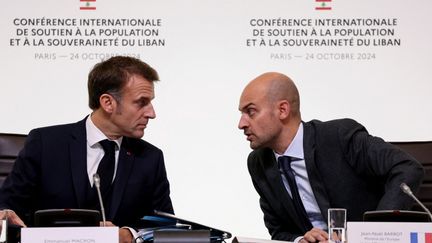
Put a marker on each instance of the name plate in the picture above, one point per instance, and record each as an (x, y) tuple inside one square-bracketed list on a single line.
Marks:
[(70, 235), (389, 232)]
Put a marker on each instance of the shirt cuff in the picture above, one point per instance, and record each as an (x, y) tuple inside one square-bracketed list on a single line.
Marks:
[(297, 240)]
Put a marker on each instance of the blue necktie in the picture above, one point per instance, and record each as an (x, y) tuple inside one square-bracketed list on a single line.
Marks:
[(285, 164), (106, 166)]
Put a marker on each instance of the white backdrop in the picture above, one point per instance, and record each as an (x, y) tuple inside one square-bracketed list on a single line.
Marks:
[(205, 57)]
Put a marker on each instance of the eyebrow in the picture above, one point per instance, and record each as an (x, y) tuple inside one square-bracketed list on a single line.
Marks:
[(142, 98), (246, 106)]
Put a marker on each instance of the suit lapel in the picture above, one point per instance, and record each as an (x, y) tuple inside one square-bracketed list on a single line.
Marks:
[(78, 158), (275, 180), (124, 168), (315, 178)]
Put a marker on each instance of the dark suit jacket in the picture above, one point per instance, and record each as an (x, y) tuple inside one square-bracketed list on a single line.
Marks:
[(51, 172), (347, 168)]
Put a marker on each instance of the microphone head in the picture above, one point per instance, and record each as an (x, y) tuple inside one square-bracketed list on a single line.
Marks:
[(96, 180), (405, 188)]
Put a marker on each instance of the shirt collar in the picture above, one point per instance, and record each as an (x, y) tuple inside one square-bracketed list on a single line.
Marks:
[(95, 135), (295, 149)]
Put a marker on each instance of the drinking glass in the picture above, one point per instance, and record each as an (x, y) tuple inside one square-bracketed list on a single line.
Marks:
[(337, 225), (3, 225)]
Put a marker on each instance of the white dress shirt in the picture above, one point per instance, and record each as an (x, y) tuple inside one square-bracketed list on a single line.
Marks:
[(95, 151)]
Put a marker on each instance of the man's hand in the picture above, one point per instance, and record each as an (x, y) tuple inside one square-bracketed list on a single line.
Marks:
[(125, 236), (315, 235), (107, 224), (12, 217)]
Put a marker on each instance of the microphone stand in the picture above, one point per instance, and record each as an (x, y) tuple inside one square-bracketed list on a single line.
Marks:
[(407, 190), (96, 181)]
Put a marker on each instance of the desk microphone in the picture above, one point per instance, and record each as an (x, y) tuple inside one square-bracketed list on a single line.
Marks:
[(407, 190), (96, 182)]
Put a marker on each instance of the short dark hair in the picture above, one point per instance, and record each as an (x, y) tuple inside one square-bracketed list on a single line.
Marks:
[(111, 75)]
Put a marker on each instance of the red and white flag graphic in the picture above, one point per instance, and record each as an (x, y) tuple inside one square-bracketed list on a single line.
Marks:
[(87, 4), (323, 5)]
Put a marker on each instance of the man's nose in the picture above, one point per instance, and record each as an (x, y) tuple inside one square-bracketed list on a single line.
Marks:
[(242, 123), (150, 112)]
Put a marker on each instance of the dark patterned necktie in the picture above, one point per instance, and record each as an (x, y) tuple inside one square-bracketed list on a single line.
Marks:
[(285, 164), (106, 165)]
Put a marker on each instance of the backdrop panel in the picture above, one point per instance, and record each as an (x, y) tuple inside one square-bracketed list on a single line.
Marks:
[(368, 60)]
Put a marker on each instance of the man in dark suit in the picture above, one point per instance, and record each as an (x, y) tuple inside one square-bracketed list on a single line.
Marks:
[(55, 168), (301, 169)]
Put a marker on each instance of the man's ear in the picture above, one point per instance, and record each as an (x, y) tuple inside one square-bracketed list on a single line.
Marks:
[(107, 103), (284, 109)]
